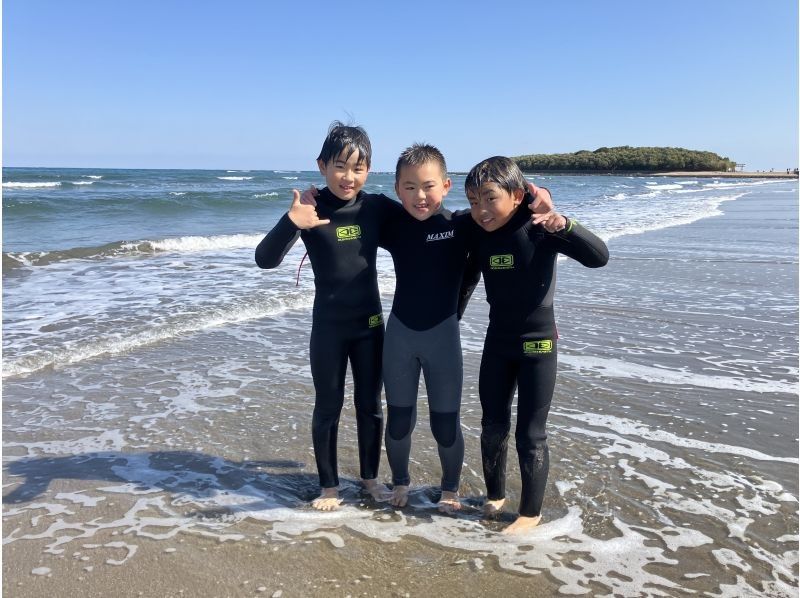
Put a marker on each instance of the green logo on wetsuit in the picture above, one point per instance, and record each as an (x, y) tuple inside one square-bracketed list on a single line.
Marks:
[(348, 233), (533, 347), (501, 262), (375, 320)]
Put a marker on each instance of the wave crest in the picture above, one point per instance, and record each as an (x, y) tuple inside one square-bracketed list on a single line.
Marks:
[(12, 260)]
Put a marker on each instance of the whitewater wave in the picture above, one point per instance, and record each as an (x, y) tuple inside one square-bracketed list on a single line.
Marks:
[(120, 249), (22, 185), (218, 315), (234, 178), (664, 187)]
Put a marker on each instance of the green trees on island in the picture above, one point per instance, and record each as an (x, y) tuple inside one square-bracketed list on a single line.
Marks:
[(627, 159)]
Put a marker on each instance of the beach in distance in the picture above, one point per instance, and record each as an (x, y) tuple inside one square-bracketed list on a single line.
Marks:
[(157, 400)]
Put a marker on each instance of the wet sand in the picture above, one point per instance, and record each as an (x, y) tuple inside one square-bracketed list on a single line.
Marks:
[(341, 564), (655, 488)]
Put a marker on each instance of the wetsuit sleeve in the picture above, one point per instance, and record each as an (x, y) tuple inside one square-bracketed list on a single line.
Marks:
[(580, 244), (472, 275), (272, 249), (390, 211)]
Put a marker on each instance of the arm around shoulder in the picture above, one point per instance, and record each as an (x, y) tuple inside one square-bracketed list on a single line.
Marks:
[(472, 275)]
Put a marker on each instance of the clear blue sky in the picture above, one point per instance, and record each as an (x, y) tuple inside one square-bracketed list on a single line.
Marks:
[(254, 84)]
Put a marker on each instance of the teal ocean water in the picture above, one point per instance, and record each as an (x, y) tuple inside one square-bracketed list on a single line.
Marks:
[(146, 358)]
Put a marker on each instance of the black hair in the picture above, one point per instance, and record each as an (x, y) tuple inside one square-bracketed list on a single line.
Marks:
[(497, 169), (345, 139), (418, 154)]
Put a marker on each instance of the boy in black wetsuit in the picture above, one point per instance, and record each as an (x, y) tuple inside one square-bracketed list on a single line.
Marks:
[(429, 246), (341, 237), (517, 258)]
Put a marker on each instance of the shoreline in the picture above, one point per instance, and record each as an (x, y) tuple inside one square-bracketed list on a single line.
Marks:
[(729, 175), (174, 520)]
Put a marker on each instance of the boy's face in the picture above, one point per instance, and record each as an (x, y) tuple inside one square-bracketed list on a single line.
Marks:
[(344, 176), (492, 206), (422, 188)]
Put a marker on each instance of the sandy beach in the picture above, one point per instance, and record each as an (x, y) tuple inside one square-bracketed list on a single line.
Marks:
[(183, 467)]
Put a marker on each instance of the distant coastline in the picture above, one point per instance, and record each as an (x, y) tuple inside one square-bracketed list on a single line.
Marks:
[(684, 173), (626, 160), (732, 175)]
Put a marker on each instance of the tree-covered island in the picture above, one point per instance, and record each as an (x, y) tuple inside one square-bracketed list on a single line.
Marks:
[(627, 159)]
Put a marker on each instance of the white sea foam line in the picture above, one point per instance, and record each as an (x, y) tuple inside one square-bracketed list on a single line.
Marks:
[(631, 427), (110, 440), (80, 498), (664, 187), (234, 178), (82, 351), (714, 481), (679, 501), (192, 244), (14, 185), (553, 541), (136, 521), (669, 222), (616, 368), (626, 554), (471, 536)]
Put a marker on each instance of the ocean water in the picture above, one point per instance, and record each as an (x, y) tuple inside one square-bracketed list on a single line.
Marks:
[(149, 361)]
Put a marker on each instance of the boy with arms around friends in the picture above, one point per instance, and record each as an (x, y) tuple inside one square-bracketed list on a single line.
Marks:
[(517, 258), (434, 280), (341, 237)]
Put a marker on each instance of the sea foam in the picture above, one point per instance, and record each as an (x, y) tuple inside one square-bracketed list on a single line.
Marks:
[(616, 368), (15, 185)]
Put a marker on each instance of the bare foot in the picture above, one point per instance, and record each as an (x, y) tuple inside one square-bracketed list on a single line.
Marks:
[(399, 496), (522, 525), (449, 502), (492, 508), (328, 500), (377, 490)]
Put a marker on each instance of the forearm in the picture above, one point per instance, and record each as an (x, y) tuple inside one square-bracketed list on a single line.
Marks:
[(472, 275), (582, 245), (273, 247)]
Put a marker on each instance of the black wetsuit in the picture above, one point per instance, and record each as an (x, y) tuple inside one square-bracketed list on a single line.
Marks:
[(429, 263), (518, 262), (347, 321), (431, 293)]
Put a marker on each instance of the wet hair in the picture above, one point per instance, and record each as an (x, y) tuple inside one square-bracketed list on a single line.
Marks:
[(417, 155), (345, 139), (499, 170)]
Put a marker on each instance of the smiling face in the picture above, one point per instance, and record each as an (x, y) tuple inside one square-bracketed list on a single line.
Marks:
[(421, 189), (492, 206), (345, 176)]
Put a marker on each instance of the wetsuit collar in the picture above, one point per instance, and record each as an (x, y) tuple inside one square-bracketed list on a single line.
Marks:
[(326, 194)]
